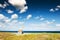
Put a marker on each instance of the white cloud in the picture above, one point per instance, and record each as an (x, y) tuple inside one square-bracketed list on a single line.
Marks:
[(14, 25), (58, 6), (40, 27), (7, 20), (3, 20), (9, 25), (58, 25), (19, 4), (3, 6), (14, 16), (39, 18), (50, 22), (42, 18), (56, 9), (21, 23), (2, 16), (0, 5), (9, 11), (23, 9), (29, 16), (52, 10), (43, 26)]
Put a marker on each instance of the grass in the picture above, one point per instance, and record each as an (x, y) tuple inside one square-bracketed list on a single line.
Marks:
[(40, 36)]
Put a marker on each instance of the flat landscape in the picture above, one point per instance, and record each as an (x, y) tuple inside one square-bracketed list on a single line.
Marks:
[(36, 36)]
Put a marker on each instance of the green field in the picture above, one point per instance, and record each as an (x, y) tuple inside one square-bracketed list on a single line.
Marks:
[(40, 36)]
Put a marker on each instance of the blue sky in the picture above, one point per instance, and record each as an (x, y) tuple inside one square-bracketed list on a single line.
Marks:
[(30, 15)]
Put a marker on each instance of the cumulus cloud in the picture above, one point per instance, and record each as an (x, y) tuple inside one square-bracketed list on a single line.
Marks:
[(58, 6), (23, 9), (13, 25), (14, 16), (0, 5), (10, 24), (2, 16), (52, 10), (3, 6), (19, 4), (29, 16), (7, 20), (39, 18), (55, 9), (9, 11)]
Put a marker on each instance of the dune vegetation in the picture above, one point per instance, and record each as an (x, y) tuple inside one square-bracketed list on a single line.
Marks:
[(40, 36)]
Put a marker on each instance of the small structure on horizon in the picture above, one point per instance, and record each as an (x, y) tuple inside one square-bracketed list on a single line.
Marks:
[(20, 31)]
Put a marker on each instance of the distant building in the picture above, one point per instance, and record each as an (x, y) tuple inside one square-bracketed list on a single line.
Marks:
[(20, 31)]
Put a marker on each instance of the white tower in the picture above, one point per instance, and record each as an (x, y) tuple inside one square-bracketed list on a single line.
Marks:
[(20, 31)]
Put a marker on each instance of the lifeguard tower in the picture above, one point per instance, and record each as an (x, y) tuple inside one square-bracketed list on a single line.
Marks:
[(20, 31)]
